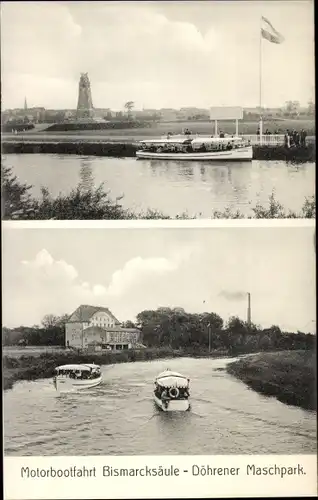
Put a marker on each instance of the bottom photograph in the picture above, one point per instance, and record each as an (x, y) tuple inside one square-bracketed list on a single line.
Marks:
[(159, 341)]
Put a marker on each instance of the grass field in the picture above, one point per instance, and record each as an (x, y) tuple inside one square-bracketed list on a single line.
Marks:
[(196, 127), (290, 376)]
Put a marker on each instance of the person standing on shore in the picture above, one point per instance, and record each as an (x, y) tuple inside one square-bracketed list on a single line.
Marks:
[(287, 139), (303, 135)]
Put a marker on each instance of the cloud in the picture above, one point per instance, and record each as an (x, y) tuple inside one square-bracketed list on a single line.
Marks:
[(197, 270), (153, 54), (46, 265), (47, 285)]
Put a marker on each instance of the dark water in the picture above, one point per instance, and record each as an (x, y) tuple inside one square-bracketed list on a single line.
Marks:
[(171, 187), (120, 418)]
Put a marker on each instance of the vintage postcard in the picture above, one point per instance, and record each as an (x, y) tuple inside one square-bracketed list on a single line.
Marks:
[(158, 228)]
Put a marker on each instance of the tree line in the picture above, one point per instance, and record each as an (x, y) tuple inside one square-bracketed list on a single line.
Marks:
[(174, 328)]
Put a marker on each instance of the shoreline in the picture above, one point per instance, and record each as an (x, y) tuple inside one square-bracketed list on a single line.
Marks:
[(31, 367), (289, 376), (126, 148)]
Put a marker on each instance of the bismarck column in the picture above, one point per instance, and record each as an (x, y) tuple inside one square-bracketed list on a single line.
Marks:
[(85, 103)]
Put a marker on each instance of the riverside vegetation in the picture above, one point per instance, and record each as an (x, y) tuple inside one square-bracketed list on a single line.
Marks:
[(97, 204), (289, 376), (168, 333)]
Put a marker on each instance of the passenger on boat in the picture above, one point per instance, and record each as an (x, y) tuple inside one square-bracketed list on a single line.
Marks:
[(202, 148), (221, 135), (165, 397)]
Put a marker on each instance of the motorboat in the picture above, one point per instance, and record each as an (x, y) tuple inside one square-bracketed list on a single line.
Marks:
[(171, 391), (196, 148), (74, 377)]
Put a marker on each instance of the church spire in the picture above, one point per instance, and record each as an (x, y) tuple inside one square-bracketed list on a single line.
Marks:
[(25, 103)]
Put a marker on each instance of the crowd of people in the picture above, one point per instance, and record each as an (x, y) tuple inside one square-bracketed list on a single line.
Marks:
[(292, 138)]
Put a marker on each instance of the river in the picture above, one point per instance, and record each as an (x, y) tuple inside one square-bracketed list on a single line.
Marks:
[(197, 188), (119, 417)]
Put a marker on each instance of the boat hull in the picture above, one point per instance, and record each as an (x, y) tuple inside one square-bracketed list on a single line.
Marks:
[(173, 404), (69, 385), (240, 154)]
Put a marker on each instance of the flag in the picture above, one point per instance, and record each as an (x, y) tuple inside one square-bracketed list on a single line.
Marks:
[(269, 33)]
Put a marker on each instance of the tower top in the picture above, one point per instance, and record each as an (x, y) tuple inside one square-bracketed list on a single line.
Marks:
[(25, 103)]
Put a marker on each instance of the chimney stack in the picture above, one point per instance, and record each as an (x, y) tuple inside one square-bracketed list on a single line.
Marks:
[(249, 309)]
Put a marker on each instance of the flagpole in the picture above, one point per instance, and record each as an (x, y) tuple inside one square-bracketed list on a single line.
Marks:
[(260, 85)]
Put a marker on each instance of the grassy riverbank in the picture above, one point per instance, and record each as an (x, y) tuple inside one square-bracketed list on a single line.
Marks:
[(155, 129), (42, 366), (290, 376), (86, 146)]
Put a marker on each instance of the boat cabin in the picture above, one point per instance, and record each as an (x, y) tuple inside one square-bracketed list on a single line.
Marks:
[(184, 144), (78, 372), (171, 385)]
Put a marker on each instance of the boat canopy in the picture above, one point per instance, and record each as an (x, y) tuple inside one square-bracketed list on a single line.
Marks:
[(172, 379), (211, 140), (170, 140), (83, 368)]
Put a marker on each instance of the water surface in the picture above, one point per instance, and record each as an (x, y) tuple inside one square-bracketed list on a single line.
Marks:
[(171, 187), (119, 417)]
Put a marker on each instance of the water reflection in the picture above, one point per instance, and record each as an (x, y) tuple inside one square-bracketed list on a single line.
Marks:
[(169, 186), (87, 181)]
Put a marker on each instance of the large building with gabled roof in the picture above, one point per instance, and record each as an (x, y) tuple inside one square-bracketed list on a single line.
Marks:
[(97, 326)]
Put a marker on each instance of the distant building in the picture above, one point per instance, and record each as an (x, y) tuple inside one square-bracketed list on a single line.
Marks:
[(92, 325), (168, 114)]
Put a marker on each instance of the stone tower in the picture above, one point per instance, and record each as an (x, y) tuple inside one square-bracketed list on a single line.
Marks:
[(85, 103)]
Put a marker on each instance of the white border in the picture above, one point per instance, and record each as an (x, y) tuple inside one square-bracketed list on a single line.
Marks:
[(185, 485), (160, 224)]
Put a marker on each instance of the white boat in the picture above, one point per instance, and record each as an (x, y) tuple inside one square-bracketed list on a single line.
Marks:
[(74, 377), (171, 391), (196, 148)]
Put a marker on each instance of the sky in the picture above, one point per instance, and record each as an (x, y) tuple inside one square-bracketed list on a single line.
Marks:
[(157, 54), (53, 271)]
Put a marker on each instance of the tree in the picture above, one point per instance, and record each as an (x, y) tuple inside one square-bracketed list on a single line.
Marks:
[(292, 108), (129, 105), (128, 324), (51, 321), (311, 108), (16, 198)]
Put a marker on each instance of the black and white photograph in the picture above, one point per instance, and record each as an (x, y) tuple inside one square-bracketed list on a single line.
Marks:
[(159, 342), (158, 110), (158, 164)]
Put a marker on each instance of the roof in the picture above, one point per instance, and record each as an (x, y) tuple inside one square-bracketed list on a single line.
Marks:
[(121, 329), (110, 329), (94, 329), (172, 379), (84, 313), (207, 140), (84, 367), (170, 140)]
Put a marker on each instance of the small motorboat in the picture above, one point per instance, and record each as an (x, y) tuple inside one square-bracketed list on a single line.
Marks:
[(73, 377), (171, 391)]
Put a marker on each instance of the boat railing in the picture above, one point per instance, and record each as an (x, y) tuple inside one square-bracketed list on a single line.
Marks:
[(266, 140)]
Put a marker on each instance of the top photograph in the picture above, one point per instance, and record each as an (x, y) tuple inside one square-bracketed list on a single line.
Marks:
[(158, 110)]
